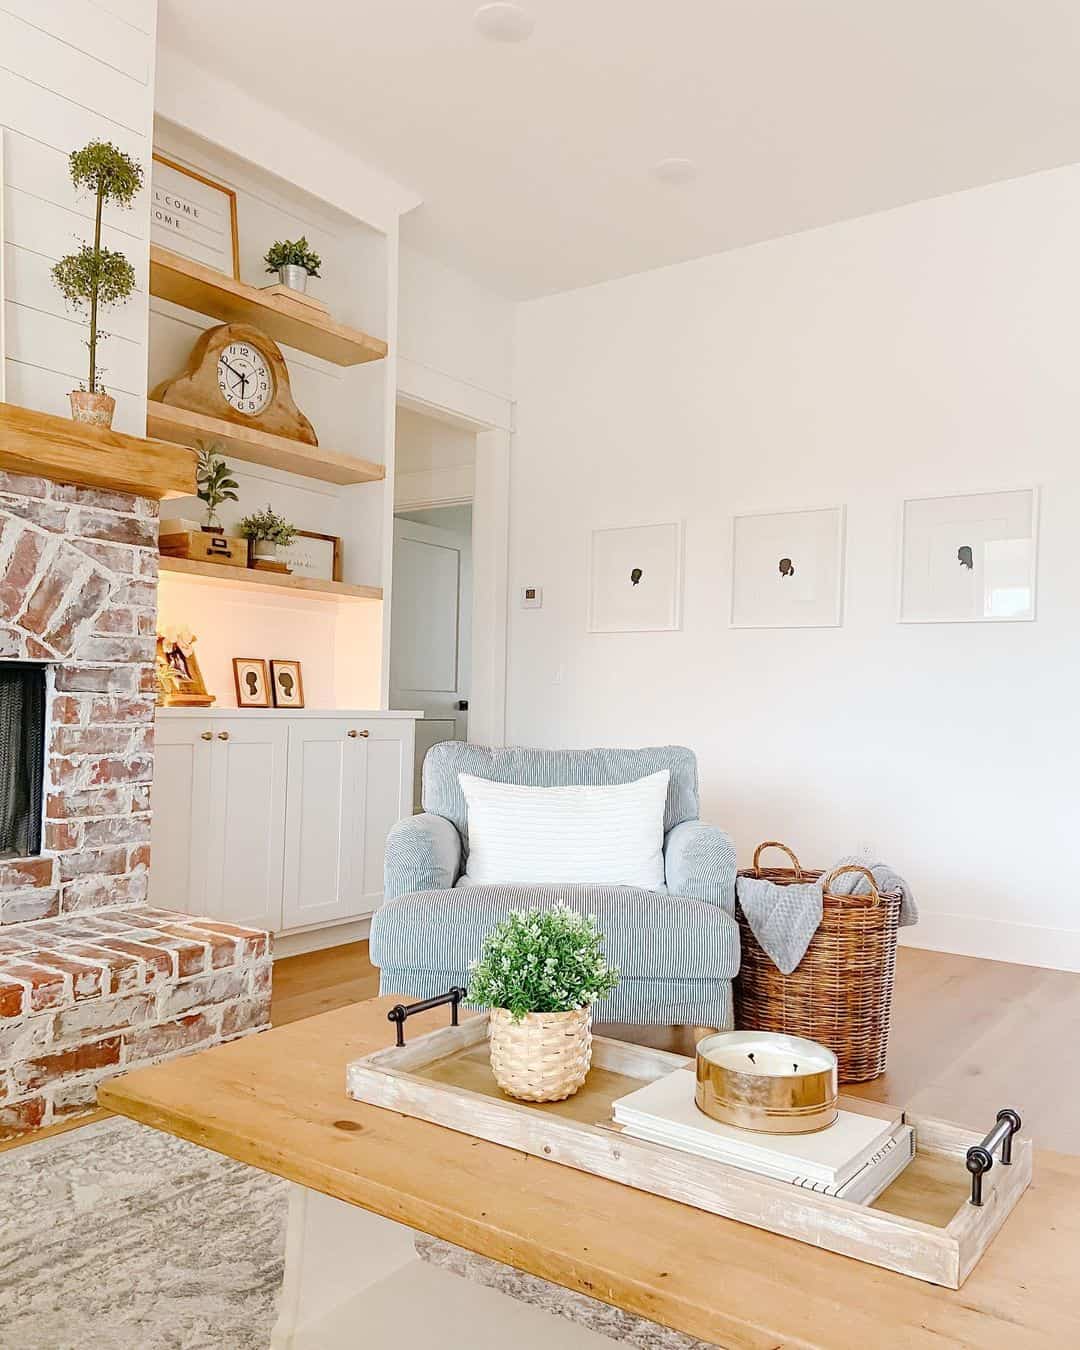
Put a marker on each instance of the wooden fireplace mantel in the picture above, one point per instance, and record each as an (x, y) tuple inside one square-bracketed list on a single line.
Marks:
[(69, 452)]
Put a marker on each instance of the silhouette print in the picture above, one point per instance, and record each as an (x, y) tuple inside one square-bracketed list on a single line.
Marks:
[(252, 682), (787, 567), (965, 557), (635, 576), (286, 681)]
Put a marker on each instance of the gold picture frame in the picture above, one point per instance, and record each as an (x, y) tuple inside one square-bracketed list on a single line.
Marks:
[(194, 226)]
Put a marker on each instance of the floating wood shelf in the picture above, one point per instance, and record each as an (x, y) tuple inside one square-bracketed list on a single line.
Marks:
[(39, 443), (207, 291), (260, 447), (274, 581)]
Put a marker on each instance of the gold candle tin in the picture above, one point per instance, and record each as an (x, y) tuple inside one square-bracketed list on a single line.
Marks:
[(761, 1080)]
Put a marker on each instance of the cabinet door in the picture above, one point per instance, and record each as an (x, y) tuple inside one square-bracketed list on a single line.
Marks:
[(247, 825), (180, 800), (387, 787)]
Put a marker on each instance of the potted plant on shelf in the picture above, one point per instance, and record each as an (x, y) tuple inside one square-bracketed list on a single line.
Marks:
[(215, 484), (294, 262), (540, 972), (96, 276), (268, 533)]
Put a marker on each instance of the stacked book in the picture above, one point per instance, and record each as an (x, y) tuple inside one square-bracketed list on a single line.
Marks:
[(855, 1158)]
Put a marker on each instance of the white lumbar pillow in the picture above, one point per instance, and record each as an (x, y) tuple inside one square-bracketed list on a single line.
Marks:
[(613, 835)]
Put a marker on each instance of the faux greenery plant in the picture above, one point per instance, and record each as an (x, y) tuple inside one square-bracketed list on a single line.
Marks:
[(267, 524), (542, 961), (97, 276), (293, 253), (215, 481)]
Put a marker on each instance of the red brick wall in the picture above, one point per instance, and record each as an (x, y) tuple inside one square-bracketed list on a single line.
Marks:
[(78, 589)]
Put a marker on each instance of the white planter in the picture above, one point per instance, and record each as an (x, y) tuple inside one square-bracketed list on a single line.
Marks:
[(265, 548), (543, 1058)]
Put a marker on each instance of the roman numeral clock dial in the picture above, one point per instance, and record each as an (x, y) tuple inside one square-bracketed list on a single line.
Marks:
[(244, 378)]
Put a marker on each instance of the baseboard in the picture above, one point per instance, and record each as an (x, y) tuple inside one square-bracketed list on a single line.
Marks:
[(319, 939), (996, 940)]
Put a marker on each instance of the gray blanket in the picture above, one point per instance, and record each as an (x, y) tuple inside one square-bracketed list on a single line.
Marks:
[(785, 918)]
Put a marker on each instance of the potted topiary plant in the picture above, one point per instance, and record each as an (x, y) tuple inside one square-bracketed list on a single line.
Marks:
[(294, 262), (540, 973), (96, 276), (268, 532), (215, 484)]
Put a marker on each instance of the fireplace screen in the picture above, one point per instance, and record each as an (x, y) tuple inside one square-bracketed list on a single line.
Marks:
[(22, 758)]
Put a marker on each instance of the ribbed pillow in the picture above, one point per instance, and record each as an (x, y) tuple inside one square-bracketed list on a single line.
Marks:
[(613, 835)]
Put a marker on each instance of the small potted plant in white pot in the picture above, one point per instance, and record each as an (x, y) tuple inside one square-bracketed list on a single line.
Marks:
[(540, 973), (215, 484), (268, 533), (294, 261), (97, 276)]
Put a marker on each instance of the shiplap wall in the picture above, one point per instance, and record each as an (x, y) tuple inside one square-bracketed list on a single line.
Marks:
[(70, 71)]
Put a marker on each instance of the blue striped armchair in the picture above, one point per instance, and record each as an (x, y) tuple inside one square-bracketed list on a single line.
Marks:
[(677, 948)]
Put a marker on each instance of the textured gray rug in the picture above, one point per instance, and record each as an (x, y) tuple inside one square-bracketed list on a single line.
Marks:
[(125, 1238)]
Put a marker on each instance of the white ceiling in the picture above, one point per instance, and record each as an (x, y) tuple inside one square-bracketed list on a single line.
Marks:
[(533, 159)]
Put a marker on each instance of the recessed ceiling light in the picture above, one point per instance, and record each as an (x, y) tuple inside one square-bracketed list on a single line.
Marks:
[(675, 170), (504, 22)]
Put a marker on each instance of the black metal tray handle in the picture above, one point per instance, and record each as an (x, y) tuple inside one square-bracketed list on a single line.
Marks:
[(980, 1157), (400, 1011)]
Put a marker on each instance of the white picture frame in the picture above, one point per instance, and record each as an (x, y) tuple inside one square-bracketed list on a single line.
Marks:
[(651, 600), (787, 568), (969, 557)]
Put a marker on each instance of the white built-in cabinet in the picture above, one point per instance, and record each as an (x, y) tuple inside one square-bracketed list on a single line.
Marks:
[(277, 820)]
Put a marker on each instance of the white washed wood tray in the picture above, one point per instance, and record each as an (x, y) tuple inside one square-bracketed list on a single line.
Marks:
[(923, 1225)]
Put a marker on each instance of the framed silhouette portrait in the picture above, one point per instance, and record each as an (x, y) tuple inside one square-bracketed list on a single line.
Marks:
[(635, 579), (287, 684), (252, 682), (788, 569)]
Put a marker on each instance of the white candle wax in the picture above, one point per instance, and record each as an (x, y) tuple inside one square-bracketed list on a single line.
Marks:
[(774, 1057)]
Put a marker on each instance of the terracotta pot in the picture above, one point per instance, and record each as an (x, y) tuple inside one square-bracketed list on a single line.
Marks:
[(94, 409), (543, 1058)]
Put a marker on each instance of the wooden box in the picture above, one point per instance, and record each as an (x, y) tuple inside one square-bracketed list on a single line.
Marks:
[(923, 1225), (201, 546)]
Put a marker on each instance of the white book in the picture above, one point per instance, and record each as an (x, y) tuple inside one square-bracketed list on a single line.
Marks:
[(664, 1112)]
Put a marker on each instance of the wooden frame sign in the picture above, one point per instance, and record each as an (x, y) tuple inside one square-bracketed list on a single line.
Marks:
[(194, 216)]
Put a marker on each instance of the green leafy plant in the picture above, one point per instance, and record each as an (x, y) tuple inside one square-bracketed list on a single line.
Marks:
[(96, 276), (215, 481), (293, 253), (267, 524), (542, 961)]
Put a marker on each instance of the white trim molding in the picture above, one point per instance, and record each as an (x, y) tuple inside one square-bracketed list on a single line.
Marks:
[(996, 940)]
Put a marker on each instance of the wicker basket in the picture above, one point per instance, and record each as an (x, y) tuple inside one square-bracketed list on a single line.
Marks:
[(840, 994), (543, 1058)]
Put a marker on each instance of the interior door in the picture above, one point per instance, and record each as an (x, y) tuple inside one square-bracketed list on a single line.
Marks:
[(180, 800), (430, 632), (244, 866)]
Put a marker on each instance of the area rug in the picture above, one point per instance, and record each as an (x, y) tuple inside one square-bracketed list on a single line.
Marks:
[(123, 1237)]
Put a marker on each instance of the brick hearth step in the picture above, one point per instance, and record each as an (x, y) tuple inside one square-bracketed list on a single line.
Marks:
[(90, 995)]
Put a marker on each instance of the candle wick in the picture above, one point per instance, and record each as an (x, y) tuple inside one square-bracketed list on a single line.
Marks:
[(795, 1067), (750, 1057)]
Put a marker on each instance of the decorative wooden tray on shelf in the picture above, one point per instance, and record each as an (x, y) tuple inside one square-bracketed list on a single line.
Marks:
[(925, 1224)]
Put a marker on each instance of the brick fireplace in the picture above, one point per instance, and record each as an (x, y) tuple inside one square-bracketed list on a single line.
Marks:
[(93, 980)]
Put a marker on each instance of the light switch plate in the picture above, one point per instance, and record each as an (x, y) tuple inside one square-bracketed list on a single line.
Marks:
[(532, 597)]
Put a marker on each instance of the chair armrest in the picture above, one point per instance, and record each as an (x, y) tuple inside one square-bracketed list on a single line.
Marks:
[(423, 853), (699, 863)]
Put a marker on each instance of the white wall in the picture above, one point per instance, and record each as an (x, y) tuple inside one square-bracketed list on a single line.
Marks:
[(434, 461), (70, 71), (926, 350)]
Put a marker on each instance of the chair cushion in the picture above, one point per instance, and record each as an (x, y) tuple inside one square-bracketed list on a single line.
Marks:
[(442, 793), (647, 935)]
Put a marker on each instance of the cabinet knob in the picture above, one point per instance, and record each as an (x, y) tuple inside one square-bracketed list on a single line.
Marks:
[(223, 735), (208, 735), (354, 734)]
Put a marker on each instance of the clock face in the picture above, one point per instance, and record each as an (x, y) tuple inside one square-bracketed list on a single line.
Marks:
[(244, 378)]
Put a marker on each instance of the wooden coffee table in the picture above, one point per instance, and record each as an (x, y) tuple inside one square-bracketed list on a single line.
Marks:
[(365, 1178)]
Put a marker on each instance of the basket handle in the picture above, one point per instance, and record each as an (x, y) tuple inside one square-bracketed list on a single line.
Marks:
[(852, 867), (775, 843)]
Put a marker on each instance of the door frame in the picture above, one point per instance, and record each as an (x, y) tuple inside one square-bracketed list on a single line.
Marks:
[(460, 405)]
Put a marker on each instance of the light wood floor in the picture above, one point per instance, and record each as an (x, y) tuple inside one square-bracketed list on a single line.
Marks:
[(969, 1036)]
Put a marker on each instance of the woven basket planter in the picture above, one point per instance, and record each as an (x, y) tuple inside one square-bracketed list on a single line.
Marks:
[(543, 1058), (840, 993)]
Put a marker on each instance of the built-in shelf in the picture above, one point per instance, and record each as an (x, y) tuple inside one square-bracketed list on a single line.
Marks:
[(259, 447), (210, 292), (274, 581), (33, 442)]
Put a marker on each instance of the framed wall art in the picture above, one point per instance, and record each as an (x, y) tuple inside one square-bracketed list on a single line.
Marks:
[(287, 684), (252, 681), (194, 216), (969, 558), (788, 569), (314, 555), (635, 578)]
